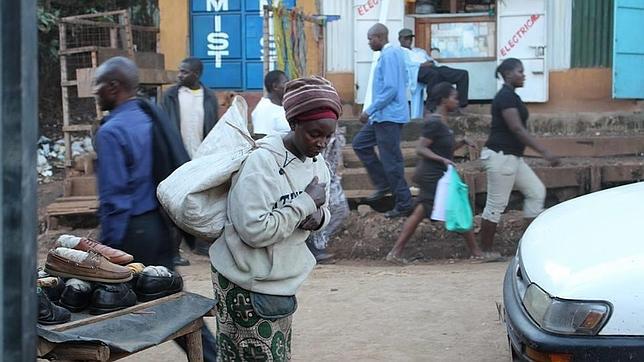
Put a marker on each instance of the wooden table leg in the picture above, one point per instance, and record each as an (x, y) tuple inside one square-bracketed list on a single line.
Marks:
[(194, 347)]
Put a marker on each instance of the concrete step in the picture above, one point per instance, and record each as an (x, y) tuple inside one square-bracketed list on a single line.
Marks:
[(575, 176), (542, 124), (601, 146)]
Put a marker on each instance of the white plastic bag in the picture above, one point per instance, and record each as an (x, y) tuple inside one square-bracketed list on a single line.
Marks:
[(440, 197), (194, 195)]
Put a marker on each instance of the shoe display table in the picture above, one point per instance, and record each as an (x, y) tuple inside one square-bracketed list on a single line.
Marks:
[(115, 335)]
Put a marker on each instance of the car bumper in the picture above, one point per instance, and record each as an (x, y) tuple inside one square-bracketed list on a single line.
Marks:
[(528, 340)]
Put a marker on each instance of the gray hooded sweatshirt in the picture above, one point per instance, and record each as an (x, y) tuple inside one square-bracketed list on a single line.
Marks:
[(262, 249)]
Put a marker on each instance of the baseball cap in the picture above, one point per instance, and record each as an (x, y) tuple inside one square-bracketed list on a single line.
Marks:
[(403, 33)]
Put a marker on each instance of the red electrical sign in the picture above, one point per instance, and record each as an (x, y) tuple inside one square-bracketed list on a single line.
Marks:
[(366, 7), (519, 34)]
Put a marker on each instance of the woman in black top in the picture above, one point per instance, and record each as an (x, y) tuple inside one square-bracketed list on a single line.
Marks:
[(503, 156), (436, 150)]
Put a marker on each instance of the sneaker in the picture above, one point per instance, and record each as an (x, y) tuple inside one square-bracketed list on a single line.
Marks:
[(392, 214), (377, 196), (492, 257)]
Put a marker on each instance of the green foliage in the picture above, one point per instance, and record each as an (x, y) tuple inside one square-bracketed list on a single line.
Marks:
[(49, 12)]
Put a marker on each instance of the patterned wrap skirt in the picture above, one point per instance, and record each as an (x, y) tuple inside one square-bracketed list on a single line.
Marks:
[(242, 335)]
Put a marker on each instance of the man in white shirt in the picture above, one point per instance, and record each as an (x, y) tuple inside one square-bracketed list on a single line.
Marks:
[(269, 117), (424, 71), (193, 107)]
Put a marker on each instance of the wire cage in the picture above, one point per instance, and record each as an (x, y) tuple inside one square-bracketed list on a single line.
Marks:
[(85, 42)]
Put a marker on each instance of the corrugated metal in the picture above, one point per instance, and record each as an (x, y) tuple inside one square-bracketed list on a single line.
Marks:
[(339, 36), (592, 33), (559, 14)]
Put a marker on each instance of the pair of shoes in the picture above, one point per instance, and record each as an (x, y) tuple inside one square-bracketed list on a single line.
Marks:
[(392, 214), (399, 260), (70, 263), (77, 295), (48, 312), (154, 284), (377, 196), (115, 256), (179, 261), (111, 297)]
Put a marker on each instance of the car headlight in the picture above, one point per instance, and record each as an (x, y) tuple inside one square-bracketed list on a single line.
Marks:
[(565, 316)]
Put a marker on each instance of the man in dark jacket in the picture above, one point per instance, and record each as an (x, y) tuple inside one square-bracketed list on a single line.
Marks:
[(191, 105), (193, 108)]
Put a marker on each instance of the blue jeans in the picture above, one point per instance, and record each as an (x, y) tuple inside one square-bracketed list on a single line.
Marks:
[(388, 170)]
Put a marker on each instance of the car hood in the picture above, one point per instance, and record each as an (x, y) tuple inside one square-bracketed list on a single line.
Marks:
[(592, 248)]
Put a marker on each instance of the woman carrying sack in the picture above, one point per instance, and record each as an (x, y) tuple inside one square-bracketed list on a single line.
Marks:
[(276, 199), (436, 150)]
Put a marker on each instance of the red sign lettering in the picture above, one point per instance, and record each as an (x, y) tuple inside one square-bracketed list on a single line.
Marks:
[(364, 8), (518, 35)]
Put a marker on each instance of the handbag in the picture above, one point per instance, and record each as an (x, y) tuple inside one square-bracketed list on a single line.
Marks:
[(458, 212), (273, 307)]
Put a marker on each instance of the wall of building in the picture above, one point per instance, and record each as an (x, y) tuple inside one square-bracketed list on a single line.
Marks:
[(174, 31), (582, 90)]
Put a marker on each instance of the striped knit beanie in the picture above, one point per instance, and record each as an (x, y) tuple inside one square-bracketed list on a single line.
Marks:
[(311, 98)]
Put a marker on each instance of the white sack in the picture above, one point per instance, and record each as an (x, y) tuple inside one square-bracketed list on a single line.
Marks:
[(440, 197), (194, 195)]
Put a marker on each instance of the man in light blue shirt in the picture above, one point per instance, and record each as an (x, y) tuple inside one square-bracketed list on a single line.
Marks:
[(384, 120)]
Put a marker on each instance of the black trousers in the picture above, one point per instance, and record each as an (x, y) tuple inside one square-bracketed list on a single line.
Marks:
[(434, 75), (149, 241)]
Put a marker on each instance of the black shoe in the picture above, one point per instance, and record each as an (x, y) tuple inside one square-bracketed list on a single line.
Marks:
[(179, 261), (392, 214), (150, 287), (201, 248), (76, 295), (54, 292), (324, 258), (48, 312), (111, 297), (377, 196)]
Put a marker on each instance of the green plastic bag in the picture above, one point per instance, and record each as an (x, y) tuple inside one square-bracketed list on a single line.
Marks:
[(458, 212)]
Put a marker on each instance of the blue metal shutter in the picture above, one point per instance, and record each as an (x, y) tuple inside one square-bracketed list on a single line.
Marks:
[(227, 36), (628, 49)]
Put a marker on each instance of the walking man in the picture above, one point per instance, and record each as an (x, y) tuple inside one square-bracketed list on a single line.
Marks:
[(383, 121), (193, 108), (129, 212)]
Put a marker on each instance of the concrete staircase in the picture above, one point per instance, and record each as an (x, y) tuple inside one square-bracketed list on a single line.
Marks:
[(597, 151)]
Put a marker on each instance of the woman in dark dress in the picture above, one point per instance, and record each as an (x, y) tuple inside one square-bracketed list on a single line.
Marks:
[(436, 150)]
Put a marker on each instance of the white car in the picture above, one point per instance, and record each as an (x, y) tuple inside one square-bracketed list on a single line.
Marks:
[(575, 290)]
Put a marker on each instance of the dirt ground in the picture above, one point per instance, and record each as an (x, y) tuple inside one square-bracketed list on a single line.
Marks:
[(371, 311), (362, 309)]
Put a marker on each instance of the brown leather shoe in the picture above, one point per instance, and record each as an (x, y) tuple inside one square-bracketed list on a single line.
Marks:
[(94, 267), (113, 255)]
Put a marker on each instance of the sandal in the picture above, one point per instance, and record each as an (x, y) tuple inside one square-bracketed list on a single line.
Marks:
[(492, 257), (396, 259)]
